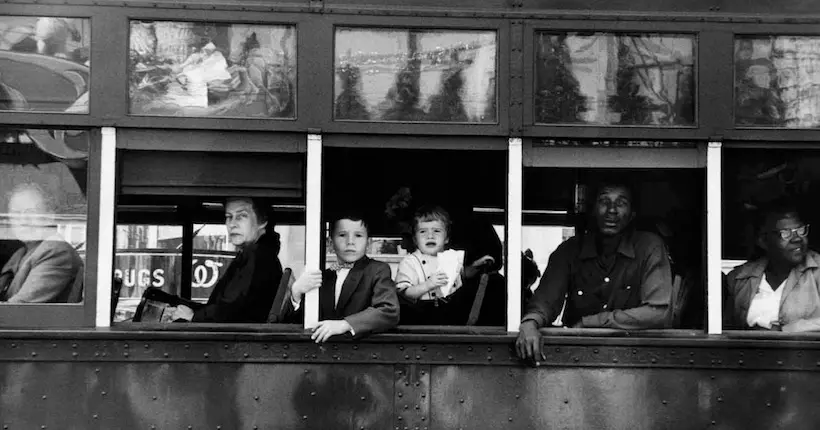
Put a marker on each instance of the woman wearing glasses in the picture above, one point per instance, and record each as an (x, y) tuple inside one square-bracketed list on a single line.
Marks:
[(781, 289)]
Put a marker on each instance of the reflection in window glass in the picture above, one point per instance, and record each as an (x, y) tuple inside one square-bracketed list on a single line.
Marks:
[(44, 64), (212, 69), (415, 75), (776, 81), (42, 215), (146, 256), (614, 79)]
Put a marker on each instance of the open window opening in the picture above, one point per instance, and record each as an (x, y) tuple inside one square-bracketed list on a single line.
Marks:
[(562, 202), (175, 237), (769, 264), (463, 192)]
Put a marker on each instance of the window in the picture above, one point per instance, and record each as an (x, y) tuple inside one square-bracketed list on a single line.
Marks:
[(146, 256), (768, 239), (615, 79), (413, 75), (43, 196), (664, 220), (207, 69), (173, 204), (45, 63), (388, 186), (776, 82)]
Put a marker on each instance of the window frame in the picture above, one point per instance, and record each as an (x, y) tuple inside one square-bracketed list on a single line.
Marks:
[(767, 133), (504, 59), (703, 56), (72, 315), (705, 155)]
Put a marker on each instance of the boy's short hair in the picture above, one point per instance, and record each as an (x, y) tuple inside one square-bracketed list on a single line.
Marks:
[(427, 213), (351, 214)]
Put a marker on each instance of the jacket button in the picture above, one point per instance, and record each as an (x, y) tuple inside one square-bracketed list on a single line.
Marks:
[(580, 293), (604, 306), (606, 279), (628, 287)]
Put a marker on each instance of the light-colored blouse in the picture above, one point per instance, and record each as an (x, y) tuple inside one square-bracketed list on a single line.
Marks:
[(765, 306)]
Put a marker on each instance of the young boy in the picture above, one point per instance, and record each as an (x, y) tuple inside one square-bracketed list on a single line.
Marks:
[(428, 293), (357, 294)]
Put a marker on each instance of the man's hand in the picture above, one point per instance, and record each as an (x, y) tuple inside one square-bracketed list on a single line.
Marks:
[(528, 344), (310, 280), (182, 312), (328, 328)]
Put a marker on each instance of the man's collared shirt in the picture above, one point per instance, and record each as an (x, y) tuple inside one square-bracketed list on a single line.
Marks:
[(631, 290)]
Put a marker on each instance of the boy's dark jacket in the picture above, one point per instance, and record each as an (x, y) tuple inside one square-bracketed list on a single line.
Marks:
[(367, 301), (245, 293)]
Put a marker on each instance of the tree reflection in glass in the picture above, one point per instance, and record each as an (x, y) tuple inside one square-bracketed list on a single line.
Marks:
[(415, 75), (614, 79)]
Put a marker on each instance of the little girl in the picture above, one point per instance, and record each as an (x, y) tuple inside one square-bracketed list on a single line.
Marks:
[(428, 279)]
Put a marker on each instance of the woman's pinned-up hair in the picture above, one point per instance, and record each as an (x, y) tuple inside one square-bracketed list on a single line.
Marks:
[(262, 208)]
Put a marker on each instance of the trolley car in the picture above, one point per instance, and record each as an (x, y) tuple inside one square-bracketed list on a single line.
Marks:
[(140, 117)]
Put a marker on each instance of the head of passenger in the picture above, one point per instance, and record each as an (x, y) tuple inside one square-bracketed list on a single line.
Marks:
[(613, 208), (349, 236), (431, 229), (246, 219), (783, 236), (31, 212)]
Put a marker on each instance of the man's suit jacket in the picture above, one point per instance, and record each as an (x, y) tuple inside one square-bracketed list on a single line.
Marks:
[(51, 272), (367, 301)]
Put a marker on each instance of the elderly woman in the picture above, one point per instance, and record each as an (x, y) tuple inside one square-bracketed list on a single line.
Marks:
[(781, 289), (245, 293)]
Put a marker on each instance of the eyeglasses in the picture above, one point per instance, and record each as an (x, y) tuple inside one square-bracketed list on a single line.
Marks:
[(788, 233)]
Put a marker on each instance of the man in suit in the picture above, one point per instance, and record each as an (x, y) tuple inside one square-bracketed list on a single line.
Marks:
[(46, 269), (357, 295)]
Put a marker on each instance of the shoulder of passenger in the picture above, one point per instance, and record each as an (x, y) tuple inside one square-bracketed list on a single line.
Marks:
[(377, 265), (57, 249), (569, 246), (647, 240)]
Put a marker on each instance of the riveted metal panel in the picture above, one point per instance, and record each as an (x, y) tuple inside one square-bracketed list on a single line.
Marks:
[(412, 396), (194, 395), (466, 397), (485, 351)]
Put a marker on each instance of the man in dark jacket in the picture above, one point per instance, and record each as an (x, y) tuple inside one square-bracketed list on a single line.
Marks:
[(245, 293)]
